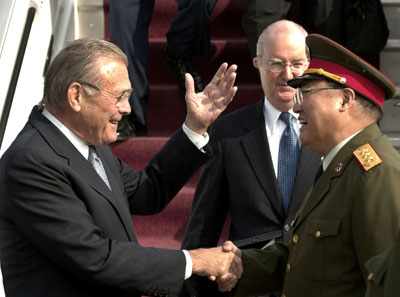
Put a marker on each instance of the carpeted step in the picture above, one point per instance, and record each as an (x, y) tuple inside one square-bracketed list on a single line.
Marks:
[(166, 108), (167, 228), (225, 19), (230, 51)]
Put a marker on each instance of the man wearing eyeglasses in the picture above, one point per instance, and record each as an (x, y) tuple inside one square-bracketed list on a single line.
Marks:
[(245, 178), (352, 212), (66, 201)]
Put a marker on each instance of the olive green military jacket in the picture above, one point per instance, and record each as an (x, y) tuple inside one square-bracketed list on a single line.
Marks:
[(351, 214), (384, 273)]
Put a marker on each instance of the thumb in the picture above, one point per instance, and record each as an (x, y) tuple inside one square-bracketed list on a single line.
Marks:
[(189, 83)]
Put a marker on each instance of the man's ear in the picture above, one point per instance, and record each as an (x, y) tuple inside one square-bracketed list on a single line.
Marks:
[(256, 62), (348, 99), (74, 94)]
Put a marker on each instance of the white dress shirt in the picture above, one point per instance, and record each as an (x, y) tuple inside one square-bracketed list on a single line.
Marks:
[(275, 128), (198, 140)]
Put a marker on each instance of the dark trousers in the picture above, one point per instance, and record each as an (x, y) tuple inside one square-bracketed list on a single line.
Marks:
[(188, 35), (260, 14)]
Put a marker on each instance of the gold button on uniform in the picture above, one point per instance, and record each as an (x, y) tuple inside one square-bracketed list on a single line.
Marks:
[(288, 267), (318, 234), (283, 295), (295, 239), (370, 276)]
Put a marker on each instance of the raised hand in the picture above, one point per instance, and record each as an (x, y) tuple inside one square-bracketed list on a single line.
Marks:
[(204, 108)]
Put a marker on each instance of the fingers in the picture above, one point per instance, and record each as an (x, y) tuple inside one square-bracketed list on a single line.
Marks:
[(219, 74), (228, 246), (189, 83), (227, 81), (227, 282), (224, 79)]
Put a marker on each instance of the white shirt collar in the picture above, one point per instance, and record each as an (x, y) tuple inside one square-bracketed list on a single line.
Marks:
[(77, 142), (272, 114), (329, 157)]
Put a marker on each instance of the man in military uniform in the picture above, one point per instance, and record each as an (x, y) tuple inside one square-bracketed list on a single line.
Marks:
[(384, 273), (353, 210)]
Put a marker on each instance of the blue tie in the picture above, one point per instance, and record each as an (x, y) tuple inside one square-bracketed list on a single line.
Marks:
[(287, 160), (98, 165)]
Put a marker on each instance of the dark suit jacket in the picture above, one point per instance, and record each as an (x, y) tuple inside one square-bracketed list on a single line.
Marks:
[(240, 181), (350, 215), (64, 233)]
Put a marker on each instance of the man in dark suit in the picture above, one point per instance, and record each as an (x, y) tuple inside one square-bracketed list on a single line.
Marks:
[(352, 212), (65, 224), (241, 178), (188, 35)]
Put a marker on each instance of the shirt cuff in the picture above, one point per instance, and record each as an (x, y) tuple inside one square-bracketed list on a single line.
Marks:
[(189, 264), (198, 140)]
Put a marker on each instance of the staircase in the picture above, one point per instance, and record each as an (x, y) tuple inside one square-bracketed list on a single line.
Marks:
[(166, 108), (390, 65)]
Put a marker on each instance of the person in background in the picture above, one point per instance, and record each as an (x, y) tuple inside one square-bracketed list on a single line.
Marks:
[(66, 201), (188, 35), (246, 178), (259, 15), (352, 212)]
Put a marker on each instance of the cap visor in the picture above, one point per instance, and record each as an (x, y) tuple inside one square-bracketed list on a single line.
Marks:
[(298, 81)]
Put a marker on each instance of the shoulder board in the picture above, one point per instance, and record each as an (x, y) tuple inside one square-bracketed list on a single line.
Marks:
[(367, 156)]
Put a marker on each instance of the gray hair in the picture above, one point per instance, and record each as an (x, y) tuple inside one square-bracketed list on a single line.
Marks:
[(76, 63), (279, 26)]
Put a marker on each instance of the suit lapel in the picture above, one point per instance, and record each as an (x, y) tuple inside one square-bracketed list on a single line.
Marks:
[(64, 148), (256, 148), (117, 196)]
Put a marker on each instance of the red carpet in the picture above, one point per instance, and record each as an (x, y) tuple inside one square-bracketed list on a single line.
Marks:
[(166, 108)]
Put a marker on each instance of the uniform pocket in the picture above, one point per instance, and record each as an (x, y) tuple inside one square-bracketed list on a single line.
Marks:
[(324, 248)]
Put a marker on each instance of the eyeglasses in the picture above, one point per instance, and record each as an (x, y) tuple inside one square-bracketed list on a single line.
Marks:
[(298, 97), (120, 98), (279, 66)]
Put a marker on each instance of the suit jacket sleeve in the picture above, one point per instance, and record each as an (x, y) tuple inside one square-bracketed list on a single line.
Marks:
[(208, 214), (210, 203), (67, 222), (150, 190)]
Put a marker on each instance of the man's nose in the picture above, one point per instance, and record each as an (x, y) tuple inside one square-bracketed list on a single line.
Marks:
[(124, 107), (287, 72)]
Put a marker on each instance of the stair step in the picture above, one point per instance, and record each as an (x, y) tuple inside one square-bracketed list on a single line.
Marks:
[(165, 229), (225, 18), (231, 51), (166, 108)]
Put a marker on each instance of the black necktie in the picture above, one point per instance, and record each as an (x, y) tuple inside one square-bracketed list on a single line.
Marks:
[(318, 173)]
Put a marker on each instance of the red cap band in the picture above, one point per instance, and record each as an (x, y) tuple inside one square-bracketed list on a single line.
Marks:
[(354, 80)]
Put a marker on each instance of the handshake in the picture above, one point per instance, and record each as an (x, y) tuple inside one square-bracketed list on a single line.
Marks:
[(221, 264)]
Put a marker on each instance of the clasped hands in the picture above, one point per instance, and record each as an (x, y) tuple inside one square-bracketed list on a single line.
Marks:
[(221, 264)]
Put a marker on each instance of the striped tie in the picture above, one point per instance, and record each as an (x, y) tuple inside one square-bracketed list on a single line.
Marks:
[(98, 165)]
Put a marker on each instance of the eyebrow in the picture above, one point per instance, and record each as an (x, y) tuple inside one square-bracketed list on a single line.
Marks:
[(295, 60)]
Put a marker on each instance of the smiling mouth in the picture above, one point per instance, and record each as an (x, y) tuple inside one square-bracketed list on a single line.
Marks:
[(303, 122), (114, 122)]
